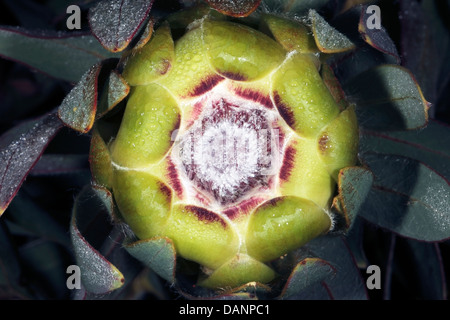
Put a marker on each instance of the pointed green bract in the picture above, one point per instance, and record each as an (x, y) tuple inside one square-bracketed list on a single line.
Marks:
[(152, 61), (145, 135), (100, 161), (241, 269), (338, 142), (283, 224), (144, 200), (201, 235), (239, 52), (292, 35), (190, 69), (301, 97), (304, 175)]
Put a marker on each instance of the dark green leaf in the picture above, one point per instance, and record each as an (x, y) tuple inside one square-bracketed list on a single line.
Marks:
[(355, 238), (420, 48), (418, 266), (107, 18), (63, 56), (108, 202), (20, 149), (46, 269), (115, 90), (290, 7), (347, 284), (354, 185), (307, 273), (158, 254), (328, 39), (23, 210), (407, 198), (348, 65), (10, 268), (79, 107), (388, 98), (377, 38), (430, 145), (98, 275), (53, 164)]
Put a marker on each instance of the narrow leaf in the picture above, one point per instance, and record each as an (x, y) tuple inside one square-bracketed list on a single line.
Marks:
[(20, 149), (407, 198), (388, 98), (79, 107), (158, 254), (424, 48), (98, 275), (114, 23), (63, 56)]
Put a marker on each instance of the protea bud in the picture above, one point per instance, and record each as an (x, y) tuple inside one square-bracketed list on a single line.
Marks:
[(230, 145)]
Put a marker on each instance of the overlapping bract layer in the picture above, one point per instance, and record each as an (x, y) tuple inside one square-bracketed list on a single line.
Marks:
[(178, 84)]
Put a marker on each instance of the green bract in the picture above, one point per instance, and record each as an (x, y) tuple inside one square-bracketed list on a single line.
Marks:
[(230, 145)]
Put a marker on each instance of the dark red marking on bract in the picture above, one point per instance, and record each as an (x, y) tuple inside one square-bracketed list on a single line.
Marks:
[(175, 129), (174, 179), (206, 215), (233, 76), (244, 208), (166, 66), (288, 163), (284, 110), (165, 190), (270, 203), (323, 141), (255, 96), (206, 85)]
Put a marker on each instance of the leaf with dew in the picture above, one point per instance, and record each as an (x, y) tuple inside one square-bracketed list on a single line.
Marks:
[(20, 149)]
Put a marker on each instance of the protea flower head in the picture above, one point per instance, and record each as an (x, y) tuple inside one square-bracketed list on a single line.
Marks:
[(230, 146), (234, 143)]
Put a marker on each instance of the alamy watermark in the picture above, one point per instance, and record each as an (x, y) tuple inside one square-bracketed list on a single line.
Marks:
[(73, 22), (374, 20)]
